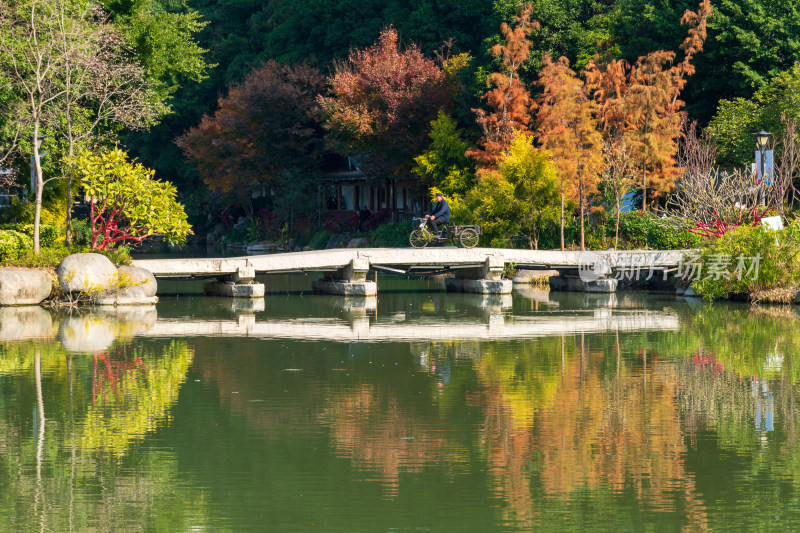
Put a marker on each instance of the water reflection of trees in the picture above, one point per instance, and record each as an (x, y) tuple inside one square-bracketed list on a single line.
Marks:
[(61, 423), (563, 420)]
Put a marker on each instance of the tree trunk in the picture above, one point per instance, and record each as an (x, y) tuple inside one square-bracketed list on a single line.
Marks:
[(37, 216), (644, 186), (562, 219), (68, 235), (644, 165), (583, 216), (616, 233)]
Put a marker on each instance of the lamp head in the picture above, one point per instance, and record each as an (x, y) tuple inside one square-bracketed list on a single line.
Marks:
[(762, 138), (37, 140)]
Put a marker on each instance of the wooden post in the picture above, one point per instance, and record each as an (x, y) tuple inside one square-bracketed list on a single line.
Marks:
[(338, 197), (356, 197)]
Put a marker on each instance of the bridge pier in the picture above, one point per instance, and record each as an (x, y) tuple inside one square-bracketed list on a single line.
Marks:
[(351, 280), (485, 279), (570, 280), (240, 284)]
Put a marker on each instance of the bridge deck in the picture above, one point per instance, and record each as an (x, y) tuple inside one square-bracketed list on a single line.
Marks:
[(405, 258)]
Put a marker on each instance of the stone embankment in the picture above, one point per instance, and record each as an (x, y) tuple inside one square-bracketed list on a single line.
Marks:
[(90, 277)]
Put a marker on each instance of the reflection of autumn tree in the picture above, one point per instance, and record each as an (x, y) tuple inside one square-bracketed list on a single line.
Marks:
[(621, 434), (518, 381), (392, 430), (379, 433)]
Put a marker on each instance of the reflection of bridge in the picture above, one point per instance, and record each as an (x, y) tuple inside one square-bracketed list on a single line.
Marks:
[(361, 329), (348, 267), (97, 331)]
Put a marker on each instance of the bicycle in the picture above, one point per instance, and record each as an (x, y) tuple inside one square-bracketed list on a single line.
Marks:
[(466, 235)]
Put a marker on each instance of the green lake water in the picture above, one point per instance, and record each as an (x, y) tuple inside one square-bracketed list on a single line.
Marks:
[(415, 411)]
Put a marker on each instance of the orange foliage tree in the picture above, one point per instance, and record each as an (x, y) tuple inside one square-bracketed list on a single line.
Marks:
[(567, 127), (639, 105), (509, 100), (656, 120), (609, 86), (383, 103)]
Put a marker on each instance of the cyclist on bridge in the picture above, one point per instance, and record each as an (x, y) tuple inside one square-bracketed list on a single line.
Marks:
[(440, 213)]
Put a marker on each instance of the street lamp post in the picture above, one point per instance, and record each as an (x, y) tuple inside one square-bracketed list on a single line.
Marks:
[(762, 138)]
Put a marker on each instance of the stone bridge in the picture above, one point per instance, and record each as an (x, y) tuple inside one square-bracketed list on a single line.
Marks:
[(476, 270)]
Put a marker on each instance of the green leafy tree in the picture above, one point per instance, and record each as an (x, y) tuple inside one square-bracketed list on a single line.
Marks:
[(444, 164), (732, 126), (127, 203), (577, 29), (162, 34), (39, 42), (70, 73), (518, 198), (753, 41)]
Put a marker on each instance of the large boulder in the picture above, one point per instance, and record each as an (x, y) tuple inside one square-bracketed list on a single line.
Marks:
[(137, 286), (86, 273), (358, 242), (337, 241), (20, 286)]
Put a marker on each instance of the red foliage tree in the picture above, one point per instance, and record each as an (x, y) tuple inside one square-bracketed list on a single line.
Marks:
[(509, 99), (383, 103), (265, 125)]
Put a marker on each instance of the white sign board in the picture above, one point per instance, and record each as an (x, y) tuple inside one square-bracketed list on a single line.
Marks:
[(774, 223)]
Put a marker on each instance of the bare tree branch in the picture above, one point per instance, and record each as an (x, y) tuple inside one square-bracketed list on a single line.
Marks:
[(709, 201), (785, 166)]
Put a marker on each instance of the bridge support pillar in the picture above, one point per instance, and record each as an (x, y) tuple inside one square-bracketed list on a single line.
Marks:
[(486, 279), (350, 280), (232, 290), (240, 284), (570, 280)]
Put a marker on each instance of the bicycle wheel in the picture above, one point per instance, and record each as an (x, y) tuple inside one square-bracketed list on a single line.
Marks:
[(420, 238), (468, 238)]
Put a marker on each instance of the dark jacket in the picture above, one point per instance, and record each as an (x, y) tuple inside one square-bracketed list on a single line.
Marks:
[(441, 211)]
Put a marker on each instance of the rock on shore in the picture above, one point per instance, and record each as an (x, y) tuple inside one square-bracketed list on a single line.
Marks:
[(86, 273), (21, 286), (94, 275)]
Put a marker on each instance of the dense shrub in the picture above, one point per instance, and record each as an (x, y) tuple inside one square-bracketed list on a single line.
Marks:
[(46, 258), (319, 240), (12, 243), (81, 233), (48, 235), (752, 262), (660, 237), (51, 257), (239, 234), (634, 226), (392, 235), (341, 222)]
